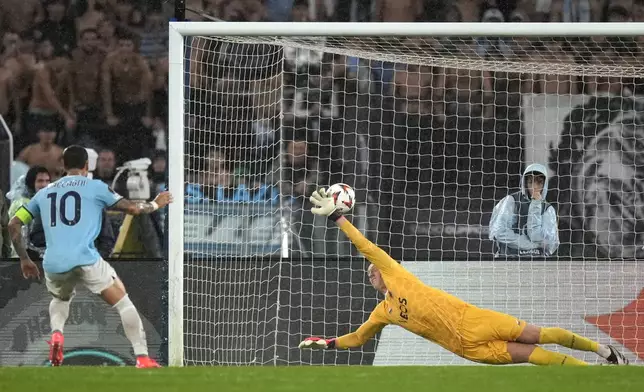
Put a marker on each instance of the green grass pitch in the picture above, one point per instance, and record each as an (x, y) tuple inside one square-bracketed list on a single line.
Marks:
[(329, 378)]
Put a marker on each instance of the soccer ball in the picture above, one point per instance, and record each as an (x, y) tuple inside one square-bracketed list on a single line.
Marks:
[(343, 196)]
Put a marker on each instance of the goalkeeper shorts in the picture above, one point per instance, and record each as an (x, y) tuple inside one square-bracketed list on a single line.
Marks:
[(485, 335)]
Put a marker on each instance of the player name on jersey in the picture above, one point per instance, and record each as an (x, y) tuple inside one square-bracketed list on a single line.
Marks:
[(69, 183)]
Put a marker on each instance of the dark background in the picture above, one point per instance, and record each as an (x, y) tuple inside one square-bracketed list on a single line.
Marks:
[(144, 280), (259, 310)]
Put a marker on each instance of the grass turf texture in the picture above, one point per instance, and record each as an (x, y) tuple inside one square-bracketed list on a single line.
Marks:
[(329, 378)]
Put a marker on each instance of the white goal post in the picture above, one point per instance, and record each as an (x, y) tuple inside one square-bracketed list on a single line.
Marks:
[(507, 286)]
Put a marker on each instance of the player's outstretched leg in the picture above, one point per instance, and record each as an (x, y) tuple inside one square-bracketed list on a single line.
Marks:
[(522, 353), (58, 314), (116, 296), (553, 335)]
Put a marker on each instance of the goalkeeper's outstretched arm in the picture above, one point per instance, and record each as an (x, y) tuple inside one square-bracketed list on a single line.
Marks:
[(359, 337), (325, 206)]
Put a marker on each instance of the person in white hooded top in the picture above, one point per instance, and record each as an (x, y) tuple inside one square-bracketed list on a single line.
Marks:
[(524, 223)]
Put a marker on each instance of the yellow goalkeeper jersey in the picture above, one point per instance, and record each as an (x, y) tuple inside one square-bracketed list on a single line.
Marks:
[(409, 303)]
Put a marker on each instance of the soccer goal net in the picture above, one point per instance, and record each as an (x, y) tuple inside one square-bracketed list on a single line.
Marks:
[(432, 125)]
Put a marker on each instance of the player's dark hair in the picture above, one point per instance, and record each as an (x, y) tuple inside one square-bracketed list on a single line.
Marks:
[(30, 177), (74, 157)]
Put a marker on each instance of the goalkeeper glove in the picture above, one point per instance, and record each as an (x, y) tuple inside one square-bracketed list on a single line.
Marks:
[(315, 343), (324, 205)]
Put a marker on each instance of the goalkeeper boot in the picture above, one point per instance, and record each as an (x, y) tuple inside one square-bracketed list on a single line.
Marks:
[(616, 358), (145, 362), (56, 348)]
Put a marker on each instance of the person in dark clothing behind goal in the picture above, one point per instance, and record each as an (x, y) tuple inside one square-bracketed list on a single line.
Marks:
[(524, 223)]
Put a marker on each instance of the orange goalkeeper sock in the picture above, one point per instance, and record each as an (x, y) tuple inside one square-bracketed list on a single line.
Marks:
[(544, 357), (568, 339)]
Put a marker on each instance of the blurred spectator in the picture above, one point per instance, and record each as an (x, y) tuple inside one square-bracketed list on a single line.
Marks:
[(161, 68), (471, 10), (297, 168), (213, 182), (569, 10), (217, 180), (6, 93), (20, 15), (23, 189), (44, 50), (105, 166), (48, 93), (576, 11), (618, 13), (57, 28), (597, 85), (520, 14), (541, 11), (88, 15), (453, 13), (233, 11), (26, 187), (217, 176), (554, 52), (158, 171), (106, 7), (124, 12), (466, 90), (20, 63), (44, 153), (300, 11), (346, 10), (492, 46), (281, 10), (637, 10), (127, 98), (413, 89), (255, 11), (107, 35), (154, 37), (398, 10), (84, 75)]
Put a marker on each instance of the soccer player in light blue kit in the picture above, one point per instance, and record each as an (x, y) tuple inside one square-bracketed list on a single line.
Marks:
[(71, 212)]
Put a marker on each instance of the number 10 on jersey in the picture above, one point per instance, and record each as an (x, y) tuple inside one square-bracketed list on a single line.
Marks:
[(59, 210)]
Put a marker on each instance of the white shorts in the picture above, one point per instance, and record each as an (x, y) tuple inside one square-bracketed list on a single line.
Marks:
[(96, 277)]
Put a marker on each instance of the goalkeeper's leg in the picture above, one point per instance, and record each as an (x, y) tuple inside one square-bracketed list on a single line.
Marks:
[(554, 335), (522, 353)]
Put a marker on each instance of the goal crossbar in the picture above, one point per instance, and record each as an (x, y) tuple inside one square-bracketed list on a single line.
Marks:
[(335, 29)]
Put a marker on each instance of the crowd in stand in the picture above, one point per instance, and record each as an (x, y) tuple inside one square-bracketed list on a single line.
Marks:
[(95, 72), (90, 72), (235, 100)]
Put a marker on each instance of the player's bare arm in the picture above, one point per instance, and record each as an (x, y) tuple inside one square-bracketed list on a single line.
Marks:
[(29, 268), (143, 207)]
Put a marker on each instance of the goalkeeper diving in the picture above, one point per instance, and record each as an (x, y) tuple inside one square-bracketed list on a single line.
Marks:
[(476, 334)]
